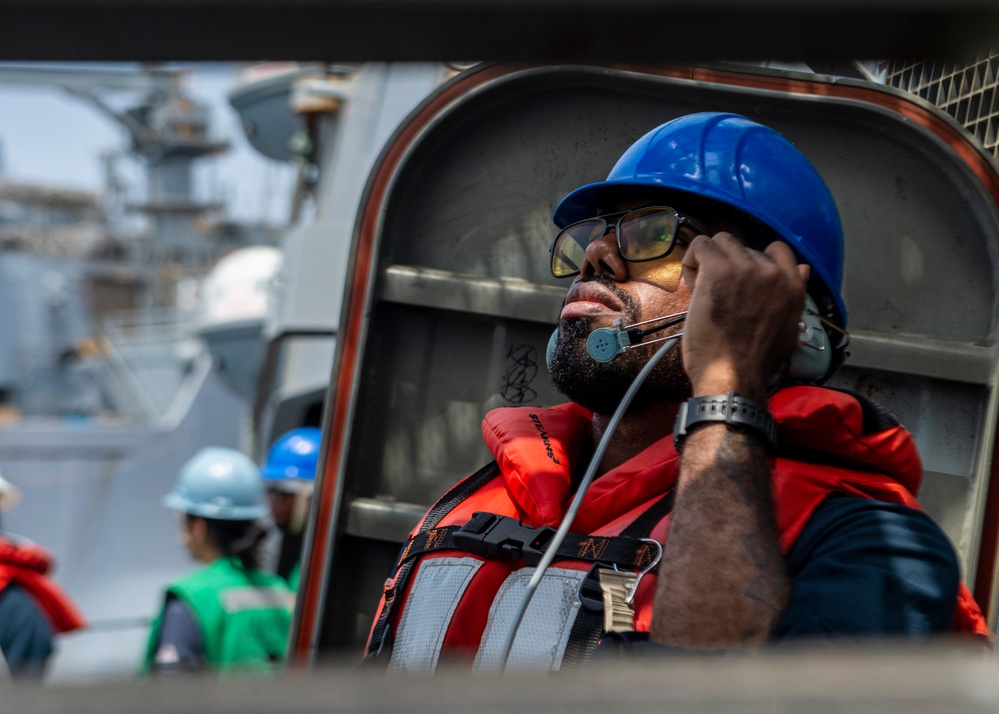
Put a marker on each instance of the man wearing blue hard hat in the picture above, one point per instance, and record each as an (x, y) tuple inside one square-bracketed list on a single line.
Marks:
[(288, 476), (712, 496)]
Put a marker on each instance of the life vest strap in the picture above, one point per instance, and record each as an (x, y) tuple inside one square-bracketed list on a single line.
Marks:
[(491, 536), (506, 538), (381, 632)]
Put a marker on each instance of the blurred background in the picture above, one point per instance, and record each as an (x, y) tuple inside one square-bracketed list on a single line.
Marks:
[(51, 138), (140, 237)]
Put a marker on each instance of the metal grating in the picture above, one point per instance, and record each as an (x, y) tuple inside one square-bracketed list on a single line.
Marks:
[(968, 92)]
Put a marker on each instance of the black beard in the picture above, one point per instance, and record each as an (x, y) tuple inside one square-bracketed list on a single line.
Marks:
[(600, 386)]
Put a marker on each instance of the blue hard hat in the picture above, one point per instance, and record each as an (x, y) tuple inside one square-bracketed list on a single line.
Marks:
[(293, 457), (219, 483), (735, 161)]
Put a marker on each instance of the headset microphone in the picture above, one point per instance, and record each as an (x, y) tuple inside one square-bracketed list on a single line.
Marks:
[(606, 343)]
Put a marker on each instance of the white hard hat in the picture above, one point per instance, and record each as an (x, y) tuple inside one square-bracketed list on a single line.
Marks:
[(219, 483), (10, 495)]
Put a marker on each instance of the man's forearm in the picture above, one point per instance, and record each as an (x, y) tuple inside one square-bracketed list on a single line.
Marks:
[(722, 582)]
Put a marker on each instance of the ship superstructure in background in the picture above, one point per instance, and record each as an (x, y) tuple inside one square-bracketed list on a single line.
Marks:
[(121, 273), (169, 132), (51, 221), (333, 121), (116, 365), (132, 388), (47, 235)]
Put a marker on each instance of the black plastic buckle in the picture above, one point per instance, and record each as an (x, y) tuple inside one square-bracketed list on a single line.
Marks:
[(503, 538)]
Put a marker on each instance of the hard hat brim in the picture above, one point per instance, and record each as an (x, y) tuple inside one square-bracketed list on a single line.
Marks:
[(177, 502), (292, 487), (272, 474), (585, 201)]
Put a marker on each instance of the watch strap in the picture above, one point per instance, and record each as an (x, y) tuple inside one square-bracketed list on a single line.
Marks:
[(734, 411)]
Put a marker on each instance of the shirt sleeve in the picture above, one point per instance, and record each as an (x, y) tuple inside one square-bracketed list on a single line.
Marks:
[(864, 568), (25, 634), (181, 647)]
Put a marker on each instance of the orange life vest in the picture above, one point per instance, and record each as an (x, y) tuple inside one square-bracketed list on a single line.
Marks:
[(27, 565), (537, 452)]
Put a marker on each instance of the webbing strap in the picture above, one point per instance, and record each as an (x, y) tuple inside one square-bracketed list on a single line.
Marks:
[(458, 493), (623, 551), (627, 550), (642, 526), (445, 504), (588, 629), (503, 537)]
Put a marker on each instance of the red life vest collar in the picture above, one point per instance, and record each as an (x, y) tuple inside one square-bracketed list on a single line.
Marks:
[(25, 554), (26, 564), (539, 450)]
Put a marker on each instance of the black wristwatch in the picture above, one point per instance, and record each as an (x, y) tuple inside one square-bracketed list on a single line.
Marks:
[(734, 411)]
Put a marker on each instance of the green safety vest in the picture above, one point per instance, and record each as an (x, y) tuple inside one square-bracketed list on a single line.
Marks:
[(244, 615), (294, 576)]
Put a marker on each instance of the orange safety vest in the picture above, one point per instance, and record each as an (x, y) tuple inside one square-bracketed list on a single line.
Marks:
[(823, 448)]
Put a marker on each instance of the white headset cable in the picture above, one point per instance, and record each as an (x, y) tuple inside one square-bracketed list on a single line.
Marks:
[(552, 550)]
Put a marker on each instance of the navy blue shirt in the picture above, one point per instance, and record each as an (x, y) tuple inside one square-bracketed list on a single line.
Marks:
[(25, 633), (863, 567), (181, 647), (859, 568)]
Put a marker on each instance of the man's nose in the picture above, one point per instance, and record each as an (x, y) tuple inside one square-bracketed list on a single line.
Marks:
[(603, 258)]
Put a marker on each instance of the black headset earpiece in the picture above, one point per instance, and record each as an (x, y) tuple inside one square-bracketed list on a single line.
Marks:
[(812, 359), (550, 352)]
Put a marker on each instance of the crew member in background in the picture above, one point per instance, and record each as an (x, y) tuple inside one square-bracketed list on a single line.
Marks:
[(230, 615), (737, 503), (33, 608), (288, 477)]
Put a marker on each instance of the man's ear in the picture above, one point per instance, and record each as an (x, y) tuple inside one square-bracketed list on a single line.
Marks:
[(550, 351)]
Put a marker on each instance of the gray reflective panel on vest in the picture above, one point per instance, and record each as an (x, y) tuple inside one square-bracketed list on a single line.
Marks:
[(248, 598), (544, 632), (437, 589)]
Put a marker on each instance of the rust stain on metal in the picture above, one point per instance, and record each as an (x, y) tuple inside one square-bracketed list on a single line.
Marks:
[(869, 386)]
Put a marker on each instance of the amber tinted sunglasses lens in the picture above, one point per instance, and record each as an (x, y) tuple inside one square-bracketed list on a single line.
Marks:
[(569, 248), (647, 233)]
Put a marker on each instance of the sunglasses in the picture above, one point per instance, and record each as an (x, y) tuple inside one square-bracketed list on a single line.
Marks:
[(642, 234)]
